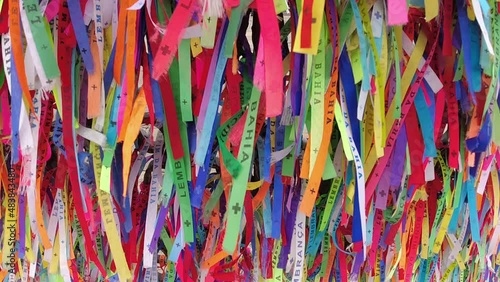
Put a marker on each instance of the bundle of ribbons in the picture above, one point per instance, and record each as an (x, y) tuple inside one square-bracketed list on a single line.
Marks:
[(249, 140)]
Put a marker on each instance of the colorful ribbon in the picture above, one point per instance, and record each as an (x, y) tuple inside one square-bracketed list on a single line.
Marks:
[(250, 140)]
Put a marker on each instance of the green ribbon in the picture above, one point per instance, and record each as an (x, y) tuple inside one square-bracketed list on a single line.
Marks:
[(235, 204), (285, 31), (397, 67), (43, 43), (345, 24), (459, 73), (232, 165), (392, 215), (212, 202), (167, 241), (180, 181), (496, 62), (234, 26), (330, 202), (185, 80), (288, 162), (437, 221)]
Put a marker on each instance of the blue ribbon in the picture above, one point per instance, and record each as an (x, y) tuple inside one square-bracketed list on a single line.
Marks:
[(117, 175), (86, 168), (155, 88), (474, 221), (280, 139), (421, 269), (433, 267), (466, 40), (382, 270), (266, 157), (204, 171), (474, 78), (16, 96), (424, 117), (267, 216), (112, 133), (277, 206), (213, 102), (312, 230), (191, 132), (81, 34), (365, 83), (108, 73), (481, 141), (346, 75), (278, 183)]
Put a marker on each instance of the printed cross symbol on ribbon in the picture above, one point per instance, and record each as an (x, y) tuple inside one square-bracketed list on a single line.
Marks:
[(382, 193), (165, 50), (184, 101), (236, 208), (94, 87), (312, 191), (378, 15), (187, 223)]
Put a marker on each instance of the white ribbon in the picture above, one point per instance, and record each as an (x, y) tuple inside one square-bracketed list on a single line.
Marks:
[(480, 20), (430, 76), (51, 229), (360, 175), (92, 135), (63, 243), (152, 208)]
